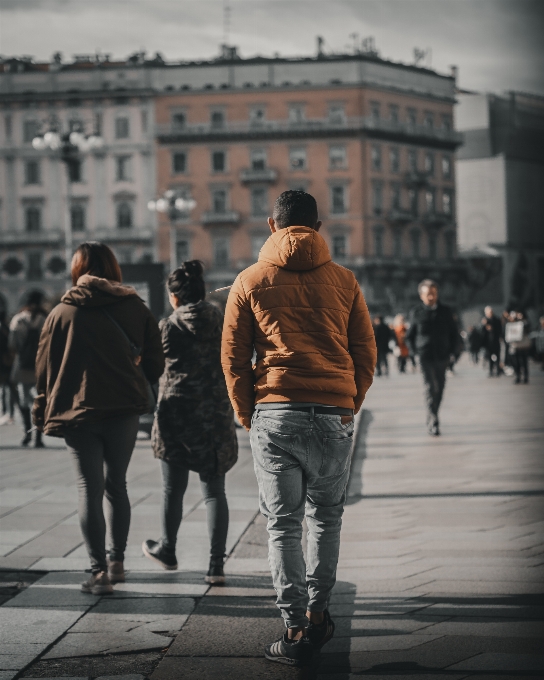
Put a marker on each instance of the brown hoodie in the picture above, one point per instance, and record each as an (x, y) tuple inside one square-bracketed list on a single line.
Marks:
[(308, 322), (84, 368)]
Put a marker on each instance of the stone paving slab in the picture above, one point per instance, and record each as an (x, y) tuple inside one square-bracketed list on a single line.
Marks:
[(501, 662)]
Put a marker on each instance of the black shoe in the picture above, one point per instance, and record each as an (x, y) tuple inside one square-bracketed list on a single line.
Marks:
[(155, 551), (320, 633), (296, 653), (38, 442), (26, 439), (216, 574)]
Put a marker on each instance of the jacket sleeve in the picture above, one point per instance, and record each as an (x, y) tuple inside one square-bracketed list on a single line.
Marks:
[(237, 352), (42, 362), (454, 335), (152, 354), (362, 346)]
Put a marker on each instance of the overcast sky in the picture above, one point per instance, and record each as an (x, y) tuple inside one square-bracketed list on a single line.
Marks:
[(497, 44)]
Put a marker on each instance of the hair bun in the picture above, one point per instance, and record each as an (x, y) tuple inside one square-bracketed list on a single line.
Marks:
[(193, 268)]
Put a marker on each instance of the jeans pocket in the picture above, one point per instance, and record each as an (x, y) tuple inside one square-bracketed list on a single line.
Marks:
[(271, 450), (336, 455)]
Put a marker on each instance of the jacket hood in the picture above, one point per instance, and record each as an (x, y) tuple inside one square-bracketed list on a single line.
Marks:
[(199, 318), (92, 291), (295, 248)]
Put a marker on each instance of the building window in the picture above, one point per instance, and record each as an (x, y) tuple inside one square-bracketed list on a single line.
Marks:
[(221, 251), (7, 126), (259, 202), (446, 167), (375, 111), (75, 171), (179, 162), (32, 172), (178, 120), (34, 270), (77, 217), (98, 122), (219, 161), (338, 200), (397, 243), (429, 163), (33, 218), (446, 123), (411, 117), (297, 158), (378, 241), (450, 244), (257, 115), (124, 215), (415, 236), (377, 198), (412, 200), (183, 251), (430, 204), (258, 159), (394, 113), (123, 168), (339, 246), (337, 157), (257, 242), (376, 156), (412, 160), (296, 113), (217, 120), (336, 114), (447, 207), (122, 128), (395, 196), (219, 201), (144, 119), (394, 159), (428, 120), (31, 129), (432, 245)]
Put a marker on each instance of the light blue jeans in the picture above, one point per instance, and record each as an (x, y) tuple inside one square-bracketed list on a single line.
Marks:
[(302, 463)]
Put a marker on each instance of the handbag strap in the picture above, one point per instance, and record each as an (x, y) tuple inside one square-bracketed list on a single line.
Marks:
[(134, 349)]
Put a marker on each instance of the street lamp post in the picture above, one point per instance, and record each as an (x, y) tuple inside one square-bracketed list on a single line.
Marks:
[(175, 205), (69, 146)]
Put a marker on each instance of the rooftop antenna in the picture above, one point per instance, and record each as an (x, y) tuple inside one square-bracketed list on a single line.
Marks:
[(226, 21)]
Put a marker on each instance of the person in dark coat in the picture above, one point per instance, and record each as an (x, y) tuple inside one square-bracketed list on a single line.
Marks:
[(194, 422), (474, 343), (382, 334), (433, 335), (492, 332), (91, 390)]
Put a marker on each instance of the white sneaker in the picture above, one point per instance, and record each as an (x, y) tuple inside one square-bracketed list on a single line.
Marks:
[(6, 419), (98, 584)]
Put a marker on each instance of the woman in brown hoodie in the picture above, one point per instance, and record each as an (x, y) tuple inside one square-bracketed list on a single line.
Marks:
[(91, 386)]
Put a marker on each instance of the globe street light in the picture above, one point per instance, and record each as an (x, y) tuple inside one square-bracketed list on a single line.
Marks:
[(69, 146), (176, 206)]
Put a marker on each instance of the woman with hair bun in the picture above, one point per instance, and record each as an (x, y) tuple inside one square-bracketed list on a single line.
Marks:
[(194, 421)]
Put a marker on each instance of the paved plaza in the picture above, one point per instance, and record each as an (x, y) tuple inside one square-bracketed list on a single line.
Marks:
[(440, 572)]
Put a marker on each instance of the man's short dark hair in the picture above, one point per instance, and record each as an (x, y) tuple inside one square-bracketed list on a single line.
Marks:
[(295, 209), (426, 283)]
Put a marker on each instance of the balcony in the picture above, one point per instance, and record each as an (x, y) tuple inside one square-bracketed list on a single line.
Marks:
[(399, 216), (46, 237), (229, 217), (263, 175), (416, 178), (436, 219)]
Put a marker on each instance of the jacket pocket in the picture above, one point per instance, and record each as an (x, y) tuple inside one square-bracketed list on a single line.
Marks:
[(336, 455), (272, 451)]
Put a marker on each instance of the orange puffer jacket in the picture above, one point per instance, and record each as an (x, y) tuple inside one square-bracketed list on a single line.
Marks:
[(308, 322)]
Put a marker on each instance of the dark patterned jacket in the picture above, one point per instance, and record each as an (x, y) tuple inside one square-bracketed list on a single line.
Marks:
[(194, 421)]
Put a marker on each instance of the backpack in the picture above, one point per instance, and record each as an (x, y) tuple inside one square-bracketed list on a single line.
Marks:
[(29, 350)]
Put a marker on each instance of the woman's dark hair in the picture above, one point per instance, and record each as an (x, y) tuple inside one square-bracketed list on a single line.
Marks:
[(187, 282), (95, 259)]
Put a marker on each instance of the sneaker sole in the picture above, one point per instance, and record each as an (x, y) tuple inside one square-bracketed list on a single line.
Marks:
[(116, 579), (215, 580), (287, 662), (168, 567)]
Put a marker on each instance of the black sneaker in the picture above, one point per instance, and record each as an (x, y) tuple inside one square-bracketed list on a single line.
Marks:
[(216, 573), (297, 653), (155, 551), (320, 633)]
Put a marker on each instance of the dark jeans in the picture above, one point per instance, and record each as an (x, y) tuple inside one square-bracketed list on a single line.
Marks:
[(102, 452), (520, 364), (175, 479), (382, 361), (434, 379)]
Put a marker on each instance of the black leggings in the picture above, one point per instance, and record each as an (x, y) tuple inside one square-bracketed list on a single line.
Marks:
[(175, 479), (102, 452)]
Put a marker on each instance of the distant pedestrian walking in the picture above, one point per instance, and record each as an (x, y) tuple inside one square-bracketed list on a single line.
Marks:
[(25, 329), (383, 335), (9, 397), (492, 333), (98, 347), (433, 335), (194, 423), (519, 343), (475, 342), (403, 353)]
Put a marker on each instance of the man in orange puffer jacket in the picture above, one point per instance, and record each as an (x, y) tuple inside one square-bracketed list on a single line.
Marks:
[(308, 322)]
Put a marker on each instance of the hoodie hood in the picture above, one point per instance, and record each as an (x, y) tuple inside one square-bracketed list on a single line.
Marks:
[(199, 318), (92, 291), (296, 249)]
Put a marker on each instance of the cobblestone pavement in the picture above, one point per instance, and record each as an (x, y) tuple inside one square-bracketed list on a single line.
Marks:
[(440, 572)]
